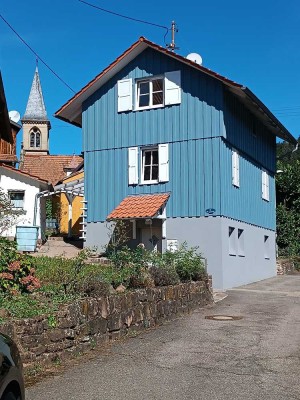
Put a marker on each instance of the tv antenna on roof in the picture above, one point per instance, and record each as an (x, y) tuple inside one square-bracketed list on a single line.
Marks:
[(174, 30)]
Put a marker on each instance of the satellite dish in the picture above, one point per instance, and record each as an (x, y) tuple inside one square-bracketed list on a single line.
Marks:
[(14, 116), (195, 57)]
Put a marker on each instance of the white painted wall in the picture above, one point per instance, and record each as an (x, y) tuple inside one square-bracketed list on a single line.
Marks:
[(10, 180)]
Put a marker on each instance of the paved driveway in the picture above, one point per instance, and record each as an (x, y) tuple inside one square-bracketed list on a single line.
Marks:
[(256, 357)]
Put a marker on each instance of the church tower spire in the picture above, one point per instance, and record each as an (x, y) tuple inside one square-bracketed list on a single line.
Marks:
[(36, 125)]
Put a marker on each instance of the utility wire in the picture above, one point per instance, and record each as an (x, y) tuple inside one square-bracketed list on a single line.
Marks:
[(35, 53), (124, 16)]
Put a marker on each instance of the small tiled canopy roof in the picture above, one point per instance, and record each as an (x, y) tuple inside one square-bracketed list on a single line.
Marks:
[(49, 168), (139, 206)]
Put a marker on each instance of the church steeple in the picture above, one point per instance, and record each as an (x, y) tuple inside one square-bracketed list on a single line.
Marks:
[(35, 122), (35, 109)]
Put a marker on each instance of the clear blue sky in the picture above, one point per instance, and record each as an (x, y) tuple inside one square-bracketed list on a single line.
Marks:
[(255, 43)]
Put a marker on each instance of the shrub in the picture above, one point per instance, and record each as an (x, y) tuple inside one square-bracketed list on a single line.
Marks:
[(63, 273), (131, 267), (164, 275), (188, 263), (17, 274)]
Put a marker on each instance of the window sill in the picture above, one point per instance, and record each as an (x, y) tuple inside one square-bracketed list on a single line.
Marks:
[(149, 183), (148, 107)]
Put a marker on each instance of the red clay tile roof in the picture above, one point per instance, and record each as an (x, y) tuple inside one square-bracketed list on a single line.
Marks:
[(18, 171), (46, 167), (73, 163), (139, 206)]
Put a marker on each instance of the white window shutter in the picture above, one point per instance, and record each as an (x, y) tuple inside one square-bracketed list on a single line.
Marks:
[(163, 160), (235, 168), (265, 186), (125, 95), (172, 88), (133, 177)]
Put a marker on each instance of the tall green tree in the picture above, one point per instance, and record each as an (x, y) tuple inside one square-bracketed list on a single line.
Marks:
[(288, 199)]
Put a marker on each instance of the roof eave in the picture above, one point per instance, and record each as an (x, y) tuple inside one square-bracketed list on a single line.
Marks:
[(281, 131), (72, 110)]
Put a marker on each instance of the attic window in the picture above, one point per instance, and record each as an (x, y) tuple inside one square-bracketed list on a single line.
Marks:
[(150, 93), (35, 137)]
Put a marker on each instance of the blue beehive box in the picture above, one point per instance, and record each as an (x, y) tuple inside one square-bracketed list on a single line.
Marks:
[(27, 237)]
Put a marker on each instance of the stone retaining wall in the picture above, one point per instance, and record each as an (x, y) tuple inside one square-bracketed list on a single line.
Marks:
[(285, 266), (95, 321)]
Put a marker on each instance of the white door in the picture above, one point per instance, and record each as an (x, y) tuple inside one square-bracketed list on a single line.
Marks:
[(151, 237)]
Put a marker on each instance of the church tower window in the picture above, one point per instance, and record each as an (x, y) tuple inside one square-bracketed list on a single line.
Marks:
[(35, 137)]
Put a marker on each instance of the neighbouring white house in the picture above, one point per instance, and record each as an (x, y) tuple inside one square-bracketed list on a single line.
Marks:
[(22, 189)]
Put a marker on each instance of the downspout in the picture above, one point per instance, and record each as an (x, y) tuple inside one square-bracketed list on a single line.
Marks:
[(40, 194)]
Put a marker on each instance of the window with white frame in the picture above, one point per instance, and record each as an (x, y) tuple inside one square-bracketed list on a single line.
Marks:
[(265, 182), (17, 198), (235, 168), (154, 164), (150, 165), (151, 92)]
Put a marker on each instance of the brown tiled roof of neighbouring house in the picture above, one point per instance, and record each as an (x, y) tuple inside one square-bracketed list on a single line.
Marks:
[(49, 168), (18, 171)]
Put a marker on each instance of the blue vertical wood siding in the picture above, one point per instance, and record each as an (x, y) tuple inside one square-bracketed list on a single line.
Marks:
[(194, 180), (245, 202), (201, 132), (199, 115), (248, 134)]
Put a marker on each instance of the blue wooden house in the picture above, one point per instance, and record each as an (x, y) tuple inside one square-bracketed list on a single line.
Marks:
[(180, 153)]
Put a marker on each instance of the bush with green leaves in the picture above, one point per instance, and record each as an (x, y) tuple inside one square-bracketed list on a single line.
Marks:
[(188, 263), (167, 268), (131, 267), (17, 272), (288, 200)]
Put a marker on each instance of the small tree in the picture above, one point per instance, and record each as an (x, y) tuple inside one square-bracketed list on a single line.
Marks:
[(9, 215)]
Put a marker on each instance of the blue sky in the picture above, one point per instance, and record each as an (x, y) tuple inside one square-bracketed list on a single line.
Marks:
[(255, 43)]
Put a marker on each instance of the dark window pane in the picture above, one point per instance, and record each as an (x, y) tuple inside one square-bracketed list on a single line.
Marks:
[(144, 87), (158, 98), (17, 196), (147, 157), (32, 139), (147, 173), (37, 140), (154, 172), (155, 157), (144, 100), (157, 85)]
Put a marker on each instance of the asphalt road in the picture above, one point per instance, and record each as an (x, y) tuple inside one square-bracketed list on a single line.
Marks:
[(256, 357)]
